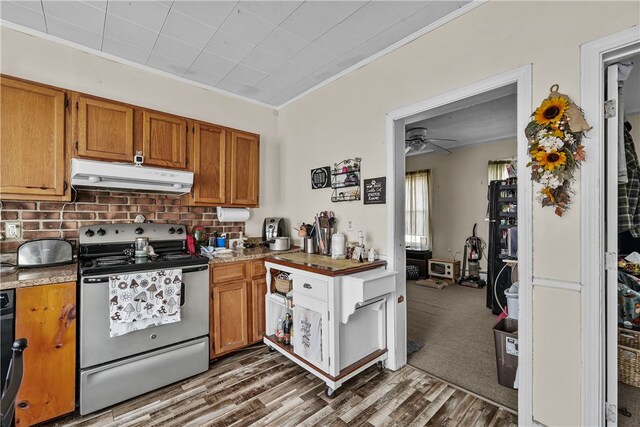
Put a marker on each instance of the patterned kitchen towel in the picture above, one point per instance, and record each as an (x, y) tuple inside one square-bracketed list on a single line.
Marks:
[(307, 336), (143, 299)]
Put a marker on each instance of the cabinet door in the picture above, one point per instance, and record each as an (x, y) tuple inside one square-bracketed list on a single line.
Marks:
[(45, 316), (105, 130), (164, 140), (244, 176), (32, 141), (258, 294), (209, 164), (229, 317)]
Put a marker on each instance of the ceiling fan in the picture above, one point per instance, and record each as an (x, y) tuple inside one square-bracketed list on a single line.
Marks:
[(416, 140)]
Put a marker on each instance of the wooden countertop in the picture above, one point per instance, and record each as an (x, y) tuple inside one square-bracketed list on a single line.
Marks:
[(25, 277), (325, 265)]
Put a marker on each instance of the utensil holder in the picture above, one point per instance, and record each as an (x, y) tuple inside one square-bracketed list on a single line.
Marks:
[(310, 246), (324, 240)]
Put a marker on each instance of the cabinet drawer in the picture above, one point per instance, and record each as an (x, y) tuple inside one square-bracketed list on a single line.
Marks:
[(310, 287), (228, 272), (258, 269)]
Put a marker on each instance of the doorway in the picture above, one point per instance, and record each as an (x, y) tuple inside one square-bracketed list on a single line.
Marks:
[(599, 217), (396, 126)]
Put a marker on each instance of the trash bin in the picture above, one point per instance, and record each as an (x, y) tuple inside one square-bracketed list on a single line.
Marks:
[(505, 334)]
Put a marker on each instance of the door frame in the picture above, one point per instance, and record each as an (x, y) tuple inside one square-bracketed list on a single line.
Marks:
[(593, 57), (396, 209)]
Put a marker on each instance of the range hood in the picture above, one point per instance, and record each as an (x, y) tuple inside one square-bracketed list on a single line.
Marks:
[(92, 173)]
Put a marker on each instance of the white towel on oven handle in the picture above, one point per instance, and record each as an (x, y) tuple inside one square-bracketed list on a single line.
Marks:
[(144, 299)]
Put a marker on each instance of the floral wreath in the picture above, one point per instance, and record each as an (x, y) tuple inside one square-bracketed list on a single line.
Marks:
[(555, 135)]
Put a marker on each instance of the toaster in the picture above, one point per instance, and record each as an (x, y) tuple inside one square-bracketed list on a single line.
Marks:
[(44, 253), (272, 228)]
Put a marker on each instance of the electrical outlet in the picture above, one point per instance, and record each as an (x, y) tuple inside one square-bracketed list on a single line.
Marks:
[(349, 225), (12, 230)]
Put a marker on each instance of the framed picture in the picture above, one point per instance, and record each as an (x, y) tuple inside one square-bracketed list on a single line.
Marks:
[(375, 191), (321, 177), (357, 253)]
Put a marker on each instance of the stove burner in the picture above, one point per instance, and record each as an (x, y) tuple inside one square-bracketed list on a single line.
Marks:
[(112, 260), (176, 256)]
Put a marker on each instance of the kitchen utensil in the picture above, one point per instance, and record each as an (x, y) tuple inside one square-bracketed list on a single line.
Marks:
[(44, 253), (310, 246), (280, 244)]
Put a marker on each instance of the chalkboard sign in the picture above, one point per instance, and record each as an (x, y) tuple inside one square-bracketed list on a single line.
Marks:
[(375, 191), (321, 177)]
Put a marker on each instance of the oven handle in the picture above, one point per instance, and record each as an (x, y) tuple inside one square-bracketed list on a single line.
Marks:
[(192, 270), (106, 279), (182, 289)]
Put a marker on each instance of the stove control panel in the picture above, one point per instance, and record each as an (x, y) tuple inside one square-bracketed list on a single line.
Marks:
[(125, 233)]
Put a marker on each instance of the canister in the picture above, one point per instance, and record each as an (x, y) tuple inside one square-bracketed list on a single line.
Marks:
[(310, 245)]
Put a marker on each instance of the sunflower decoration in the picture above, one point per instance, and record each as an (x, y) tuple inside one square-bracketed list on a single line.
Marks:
[(555, 134)]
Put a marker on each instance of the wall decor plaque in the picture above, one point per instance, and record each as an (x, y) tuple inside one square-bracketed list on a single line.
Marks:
[(375, 191), (321, 177)]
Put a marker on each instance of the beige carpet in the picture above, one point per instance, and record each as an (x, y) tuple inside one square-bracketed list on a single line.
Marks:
[(456, 329), (629, 398)]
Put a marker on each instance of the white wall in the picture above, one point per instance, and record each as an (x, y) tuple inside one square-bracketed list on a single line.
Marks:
[(347, 118), (459, 193), (32, 58)]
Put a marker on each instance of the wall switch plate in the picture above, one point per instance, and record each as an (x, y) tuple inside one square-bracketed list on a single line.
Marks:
[(349, 225), (12, 230)]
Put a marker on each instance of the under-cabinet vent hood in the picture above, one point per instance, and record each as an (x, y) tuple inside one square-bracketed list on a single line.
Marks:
[(91, 173)]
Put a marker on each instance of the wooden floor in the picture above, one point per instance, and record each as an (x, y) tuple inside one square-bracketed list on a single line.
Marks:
[(266, 389)]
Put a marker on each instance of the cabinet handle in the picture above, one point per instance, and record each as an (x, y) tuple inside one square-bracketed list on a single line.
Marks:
[(67, 316), (306, 286)]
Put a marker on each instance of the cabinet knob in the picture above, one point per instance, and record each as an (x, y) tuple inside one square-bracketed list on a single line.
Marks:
[(306, 286), (153, 336), (22, 405), (139, 230)]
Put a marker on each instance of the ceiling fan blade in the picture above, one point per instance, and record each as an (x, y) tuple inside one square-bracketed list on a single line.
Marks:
[(438, 148), (440, 140), (408, 148)]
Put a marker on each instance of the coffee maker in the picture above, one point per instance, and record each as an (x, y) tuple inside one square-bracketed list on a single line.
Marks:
[(272, 228)]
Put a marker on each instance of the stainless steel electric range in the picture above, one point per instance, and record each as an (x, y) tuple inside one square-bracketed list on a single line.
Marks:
[(113, 369)]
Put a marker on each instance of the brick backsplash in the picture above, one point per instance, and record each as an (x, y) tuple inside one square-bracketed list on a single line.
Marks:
[(48, 219)]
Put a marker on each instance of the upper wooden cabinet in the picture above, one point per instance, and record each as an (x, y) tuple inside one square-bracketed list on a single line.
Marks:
[(105, 129), (226, 166), (164, 140), (244, 176), (45, 316), (32, 142)]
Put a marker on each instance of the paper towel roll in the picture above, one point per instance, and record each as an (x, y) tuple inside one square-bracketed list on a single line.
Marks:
[(233, 214)]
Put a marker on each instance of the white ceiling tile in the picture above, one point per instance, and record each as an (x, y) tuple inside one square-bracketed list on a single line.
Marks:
[(313, 57), (212, 13), (203, 76), (307, 23), (77, 13), (31, 4), (230, 47), (339, 39), (214, 64), (169, 65), (273, 84), (102, 5), (24, 16), (120, 29), (405, 9), (338, 11), (238, 88), (68, 31), (282, 43), (266, 97), (187, 29), (175, 49), (272, 11), (370, 19), (246, 75), (291, 72), (125, 50), (430, 14), (149, 14), (246, 26), (263, 61), (381, 41)]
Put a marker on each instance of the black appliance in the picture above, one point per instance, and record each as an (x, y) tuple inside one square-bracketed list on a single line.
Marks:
[(7, 327), (503, 226)]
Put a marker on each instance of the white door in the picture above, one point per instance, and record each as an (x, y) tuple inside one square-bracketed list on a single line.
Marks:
[(611, 247)]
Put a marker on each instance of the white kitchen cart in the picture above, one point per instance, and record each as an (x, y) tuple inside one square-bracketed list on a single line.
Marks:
[(346, 306)]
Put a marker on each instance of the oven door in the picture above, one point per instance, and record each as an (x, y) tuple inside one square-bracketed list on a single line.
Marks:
[(97, 347)]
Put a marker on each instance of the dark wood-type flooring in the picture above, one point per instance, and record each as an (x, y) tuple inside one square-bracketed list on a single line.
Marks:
[(259, 388)]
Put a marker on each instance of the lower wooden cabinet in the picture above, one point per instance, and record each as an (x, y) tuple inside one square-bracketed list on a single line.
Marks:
[(45, 316), (237, 306)]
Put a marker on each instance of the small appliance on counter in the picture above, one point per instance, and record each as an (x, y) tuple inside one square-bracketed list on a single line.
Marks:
[(272, 228), (280, 244), (44, 253)]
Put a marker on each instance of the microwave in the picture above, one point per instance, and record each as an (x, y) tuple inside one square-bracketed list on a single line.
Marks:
[(445, 268)]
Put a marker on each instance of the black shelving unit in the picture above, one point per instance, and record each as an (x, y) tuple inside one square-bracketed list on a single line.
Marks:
[(346, 180)]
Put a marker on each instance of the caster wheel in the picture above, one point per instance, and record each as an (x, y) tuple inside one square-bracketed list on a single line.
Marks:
[(271, 349), (329, 392), (381, 366)]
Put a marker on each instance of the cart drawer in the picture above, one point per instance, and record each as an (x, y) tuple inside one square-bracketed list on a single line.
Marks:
[(310, 287)]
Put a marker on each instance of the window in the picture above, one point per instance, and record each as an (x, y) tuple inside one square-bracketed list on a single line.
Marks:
[(417, 215), (498, 170)]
